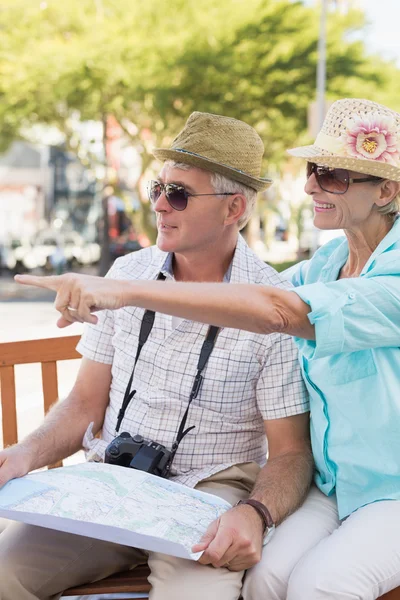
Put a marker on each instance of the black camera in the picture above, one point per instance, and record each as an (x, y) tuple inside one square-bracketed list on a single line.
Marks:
[(136, 452)]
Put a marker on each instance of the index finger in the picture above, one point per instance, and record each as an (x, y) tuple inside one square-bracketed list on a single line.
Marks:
[(52, 282)]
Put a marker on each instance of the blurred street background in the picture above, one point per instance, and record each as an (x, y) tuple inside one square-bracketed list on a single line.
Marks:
[(89, 87)]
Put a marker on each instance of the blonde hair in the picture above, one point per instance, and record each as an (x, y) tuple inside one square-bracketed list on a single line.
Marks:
[(225, 185)]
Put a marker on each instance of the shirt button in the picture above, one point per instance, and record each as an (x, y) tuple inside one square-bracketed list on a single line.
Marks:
[(352, 295)]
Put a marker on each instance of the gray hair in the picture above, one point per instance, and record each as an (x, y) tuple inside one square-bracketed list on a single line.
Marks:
[(392, 208), (225, 185)]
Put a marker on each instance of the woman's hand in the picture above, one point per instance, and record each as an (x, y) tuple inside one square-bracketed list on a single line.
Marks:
[(78, 296)]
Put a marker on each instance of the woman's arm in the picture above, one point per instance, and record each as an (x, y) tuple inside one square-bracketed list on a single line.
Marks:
[(261, 309)]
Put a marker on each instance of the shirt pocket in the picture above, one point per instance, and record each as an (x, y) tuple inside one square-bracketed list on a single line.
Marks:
[(230, 380), (350, 366)]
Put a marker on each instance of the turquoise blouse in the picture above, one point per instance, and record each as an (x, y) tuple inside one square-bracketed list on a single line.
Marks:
[(352, 371)]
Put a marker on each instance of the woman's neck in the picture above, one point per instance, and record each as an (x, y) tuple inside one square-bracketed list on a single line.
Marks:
[(362, 243)]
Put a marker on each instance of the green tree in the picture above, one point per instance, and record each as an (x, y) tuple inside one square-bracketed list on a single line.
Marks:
[(151, 64)]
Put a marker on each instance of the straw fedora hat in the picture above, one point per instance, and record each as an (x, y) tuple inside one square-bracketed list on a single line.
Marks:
[(360, 136), (221, 145)]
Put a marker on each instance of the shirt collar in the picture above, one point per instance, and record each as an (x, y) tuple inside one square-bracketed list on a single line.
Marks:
[(167, 268)]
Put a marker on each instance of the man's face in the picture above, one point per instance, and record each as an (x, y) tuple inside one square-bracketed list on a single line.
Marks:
[(202, 222)]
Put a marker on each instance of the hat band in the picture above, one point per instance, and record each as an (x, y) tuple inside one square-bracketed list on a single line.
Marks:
[(218, 163), (328, 143)]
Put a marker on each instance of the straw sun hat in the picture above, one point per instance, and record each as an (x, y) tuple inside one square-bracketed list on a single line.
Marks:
[(221, 145), (360, 136)]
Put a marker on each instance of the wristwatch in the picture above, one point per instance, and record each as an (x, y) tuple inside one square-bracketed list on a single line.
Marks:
[(262, 510)]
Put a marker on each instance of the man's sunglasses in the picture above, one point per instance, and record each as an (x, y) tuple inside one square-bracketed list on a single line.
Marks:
[(335, 181), (177, 196)]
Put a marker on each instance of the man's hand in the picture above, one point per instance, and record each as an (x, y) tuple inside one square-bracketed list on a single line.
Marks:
[(14, 462), (233, 541), (79, 295)]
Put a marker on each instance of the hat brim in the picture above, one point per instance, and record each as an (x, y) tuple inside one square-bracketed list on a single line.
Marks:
[(195, 160), (359, 165)]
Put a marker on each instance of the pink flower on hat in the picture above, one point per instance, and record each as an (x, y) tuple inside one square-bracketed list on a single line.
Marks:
[(373, 137)]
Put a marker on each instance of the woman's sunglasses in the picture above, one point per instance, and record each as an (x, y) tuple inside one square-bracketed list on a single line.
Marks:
[(177, 196), (335, 181)]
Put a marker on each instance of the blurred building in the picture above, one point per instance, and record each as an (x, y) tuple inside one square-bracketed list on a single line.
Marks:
[(36, 183), (26, 190), (74, 193)]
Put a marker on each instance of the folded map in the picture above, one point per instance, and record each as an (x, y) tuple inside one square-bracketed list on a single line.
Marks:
[(115, 504)]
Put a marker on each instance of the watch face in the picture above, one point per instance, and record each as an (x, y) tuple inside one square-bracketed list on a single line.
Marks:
[(269, 532)]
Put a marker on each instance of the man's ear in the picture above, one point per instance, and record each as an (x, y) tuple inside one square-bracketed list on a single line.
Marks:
[(388, 191), (236, 206)]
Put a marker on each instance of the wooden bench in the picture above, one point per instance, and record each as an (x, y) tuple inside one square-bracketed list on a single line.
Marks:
[(47, 352)]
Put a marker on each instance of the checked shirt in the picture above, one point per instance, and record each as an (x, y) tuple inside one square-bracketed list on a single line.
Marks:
[(249, 377)]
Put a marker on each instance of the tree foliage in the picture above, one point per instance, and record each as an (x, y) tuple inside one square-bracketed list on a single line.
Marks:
[(152, 63), (155, 62)]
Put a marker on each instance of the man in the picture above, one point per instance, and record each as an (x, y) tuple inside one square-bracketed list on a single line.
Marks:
[(251, 388)]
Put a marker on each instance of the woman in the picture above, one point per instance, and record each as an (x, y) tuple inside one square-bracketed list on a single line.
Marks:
[(345, 540)]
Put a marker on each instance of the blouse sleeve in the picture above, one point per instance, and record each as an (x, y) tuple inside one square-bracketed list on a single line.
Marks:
[(353, 314)]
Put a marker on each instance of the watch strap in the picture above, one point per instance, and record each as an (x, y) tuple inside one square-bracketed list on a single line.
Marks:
[(262, 511)]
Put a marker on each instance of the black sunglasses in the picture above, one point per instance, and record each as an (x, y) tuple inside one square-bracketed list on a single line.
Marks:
[(177, 196), (335, 181)]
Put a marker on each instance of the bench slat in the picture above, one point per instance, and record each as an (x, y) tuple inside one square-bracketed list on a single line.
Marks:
[(125, 582), (8, 406), (50, 384), (38, 351), (393, 595)]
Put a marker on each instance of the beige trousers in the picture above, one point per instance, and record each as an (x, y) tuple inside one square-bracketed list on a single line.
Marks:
[(41, 563)]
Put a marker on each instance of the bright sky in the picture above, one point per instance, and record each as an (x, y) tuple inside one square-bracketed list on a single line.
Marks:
[(383, 34)]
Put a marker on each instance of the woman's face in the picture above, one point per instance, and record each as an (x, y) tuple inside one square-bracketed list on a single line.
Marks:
[(343, 211)]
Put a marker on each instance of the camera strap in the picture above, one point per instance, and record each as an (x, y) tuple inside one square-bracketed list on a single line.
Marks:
[(205, 354), (145, 330)]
